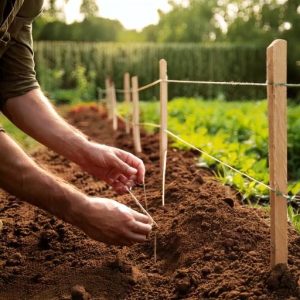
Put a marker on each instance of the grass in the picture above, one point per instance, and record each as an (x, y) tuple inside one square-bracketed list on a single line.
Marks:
[(25, 141)]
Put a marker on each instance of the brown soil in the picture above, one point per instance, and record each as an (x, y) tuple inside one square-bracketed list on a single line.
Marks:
[(209, 246)]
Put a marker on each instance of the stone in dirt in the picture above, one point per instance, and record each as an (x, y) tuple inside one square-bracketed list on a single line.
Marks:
[(78, 292), (138, 276)]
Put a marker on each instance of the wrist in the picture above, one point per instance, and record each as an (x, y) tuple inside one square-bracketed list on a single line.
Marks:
[(79, 150), (78, 203)]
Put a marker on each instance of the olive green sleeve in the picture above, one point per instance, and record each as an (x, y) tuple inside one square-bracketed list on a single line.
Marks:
[(17, 74)]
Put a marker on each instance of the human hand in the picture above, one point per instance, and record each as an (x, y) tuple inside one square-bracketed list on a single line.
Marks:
[(118, 168), (111, 222)]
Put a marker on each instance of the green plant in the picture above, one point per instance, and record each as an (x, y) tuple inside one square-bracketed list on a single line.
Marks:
[(294, 218), (235, 133)]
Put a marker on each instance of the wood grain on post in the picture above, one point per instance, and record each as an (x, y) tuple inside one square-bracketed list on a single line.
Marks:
[(163, 111), (127, 100), (136, 115), (114, 107), (108, 97), (277, 111)]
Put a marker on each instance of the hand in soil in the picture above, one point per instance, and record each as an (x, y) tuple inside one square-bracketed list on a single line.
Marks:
[(111, 222), (116, 167)]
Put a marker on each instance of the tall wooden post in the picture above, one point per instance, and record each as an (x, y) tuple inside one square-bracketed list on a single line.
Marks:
[(277, 106), (136, 115), (127, 100), (108, 97), (163, 112), (114, 107)]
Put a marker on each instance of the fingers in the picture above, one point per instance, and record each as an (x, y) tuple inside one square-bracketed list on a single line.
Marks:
[(141, 217), (119, 187), (141, 228), (133, 161), (129, 182), (115, 176), (136, 237), (125, 168), (120, 183)]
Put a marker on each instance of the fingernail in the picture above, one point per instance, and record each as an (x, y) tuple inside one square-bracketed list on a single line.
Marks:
[(134, 171)]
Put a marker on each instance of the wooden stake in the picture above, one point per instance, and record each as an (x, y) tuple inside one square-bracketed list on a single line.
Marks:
[(155, 247), (108, 97), (127, 100), (114, 107), (164, 178), (277, 106), (136, 115), (163, 111)]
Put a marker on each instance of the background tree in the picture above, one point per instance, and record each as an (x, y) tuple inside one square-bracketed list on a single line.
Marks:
[(192, 23), (89, 8)]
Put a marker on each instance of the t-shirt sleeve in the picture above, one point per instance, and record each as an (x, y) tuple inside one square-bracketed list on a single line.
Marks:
[(17, 74)]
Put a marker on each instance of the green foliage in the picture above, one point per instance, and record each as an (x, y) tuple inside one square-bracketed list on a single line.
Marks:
[(197, 23), (185, 61), (294, 218), (261, 21), (68, 88), (90, 29), (61, 97)]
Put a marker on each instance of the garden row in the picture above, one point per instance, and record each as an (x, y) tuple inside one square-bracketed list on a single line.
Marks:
[(234, 132)]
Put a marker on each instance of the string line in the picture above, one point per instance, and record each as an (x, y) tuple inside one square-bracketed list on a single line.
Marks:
[(217, 82), (149, 85), (208, 82), (234, 83), (278, 193), (141, 206), (122, 91)]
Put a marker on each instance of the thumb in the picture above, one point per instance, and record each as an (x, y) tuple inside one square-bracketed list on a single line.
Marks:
[(124, 168)]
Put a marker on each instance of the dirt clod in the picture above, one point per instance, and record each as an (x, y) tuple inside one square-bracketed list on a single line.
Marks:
[(138, 276), (46, 237), (280, 278), (78, 292)]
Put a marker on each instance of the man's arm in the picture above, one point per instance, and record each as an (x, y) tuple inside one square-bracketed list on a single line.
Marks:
[(102, 219), (33, 114)]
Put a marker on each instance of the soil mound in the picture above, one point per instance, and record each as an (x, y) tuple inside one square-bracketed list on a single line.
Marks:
[(209, 246)]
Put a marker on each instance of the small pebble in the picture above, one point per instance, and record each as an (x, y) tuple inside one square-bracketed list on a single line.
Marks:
[(78, 292)]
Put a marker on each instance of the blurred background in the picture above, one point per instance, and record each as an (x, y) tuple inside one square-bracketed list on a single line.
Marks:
[(79, 43)]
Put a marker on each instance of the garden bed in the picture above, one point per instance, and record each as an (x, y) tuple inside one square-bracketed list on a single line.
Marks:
[(209, 246)]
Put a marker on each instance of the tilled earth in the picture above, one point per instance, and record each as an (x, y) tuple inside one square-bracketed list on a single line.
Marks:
[(209, 246)]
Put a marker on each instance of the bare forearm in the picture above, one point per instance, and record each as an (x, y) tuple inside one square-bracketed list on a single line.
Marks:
[(33, 114), (20, 176)]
